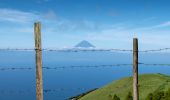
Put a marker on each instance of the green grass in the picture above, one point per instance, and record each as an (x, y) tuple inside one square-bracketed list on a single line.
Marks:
[(148, 83)]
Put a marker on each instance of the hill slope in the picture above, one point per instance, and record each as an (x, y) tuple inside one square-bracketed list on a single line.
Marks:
[(148, 83)]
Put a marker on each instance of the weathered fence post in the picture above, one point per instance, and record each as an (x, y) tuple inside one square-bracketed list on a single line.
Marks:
[(135, 69), (39, 82)]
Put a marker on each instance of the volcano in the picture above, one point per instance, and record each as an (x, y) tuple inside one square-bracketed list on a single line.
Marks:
[(84, 44)]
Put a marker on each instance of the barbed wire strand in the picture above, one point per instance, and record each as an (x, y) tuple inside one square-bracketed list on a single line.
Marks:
[(150, 64), (63, 50), (63, 67), (45, 90), (48, 90), (82, 50), (80, 66)]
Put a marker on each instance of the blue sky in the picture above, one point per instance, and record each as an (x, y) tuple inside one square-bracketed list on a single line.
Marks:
[(105, 23)]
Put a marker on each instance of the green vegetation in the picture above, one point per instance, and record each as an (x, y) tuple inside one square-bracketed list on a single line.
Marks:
[(115, 97), (156, 95), (151, 87), (159, 95), (129, 96)]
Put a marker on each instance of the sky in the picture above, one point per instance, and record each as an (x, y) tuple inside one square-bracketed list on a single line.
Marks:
[(104, 23)]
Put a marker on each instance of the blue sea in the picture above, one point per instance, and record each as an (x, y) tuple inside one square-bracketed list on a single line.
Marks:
[(68, 81)]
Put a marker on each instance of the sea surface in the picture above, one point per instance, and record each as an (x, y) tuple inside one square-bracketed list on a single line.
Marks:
[(72, 73)]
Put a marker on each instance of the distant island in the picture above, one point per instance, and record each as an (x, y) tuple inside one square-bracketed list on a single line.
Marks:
[(84, 44)]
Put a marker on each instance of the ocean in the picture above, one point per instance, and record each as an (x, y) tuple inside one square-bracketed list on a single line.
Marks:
[(72, 73)]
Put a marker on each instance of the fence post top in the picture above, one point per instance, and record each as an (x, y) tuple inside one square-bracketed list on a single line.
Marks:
[(135, 38), (37, 23)]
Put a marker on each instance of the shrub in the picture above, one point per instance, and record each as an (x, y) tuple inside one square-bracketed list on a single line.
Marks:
[(115, 97), (129, 96), (110, 97), (149, 97)]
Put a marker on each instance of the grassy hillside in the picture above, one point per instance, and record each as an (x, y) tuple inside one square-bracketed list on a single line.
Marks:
[(148, 83)]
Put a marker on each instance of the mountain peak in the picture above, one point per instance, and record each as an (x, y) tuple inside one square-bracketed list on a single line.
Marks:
[(85, 44)]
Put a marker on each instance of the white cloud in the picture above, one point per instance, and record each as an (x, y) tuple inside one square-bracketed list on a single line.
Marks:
[(41, 1), (117, 38), (165, 24), (63, 26), (158, 26), (50, 15), (49, 19), (17, 16), (113, 36)]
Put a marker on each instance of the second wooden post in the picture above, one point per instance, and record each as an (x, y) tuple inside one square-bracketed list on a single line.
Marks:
[(135, 69), (39, 82)]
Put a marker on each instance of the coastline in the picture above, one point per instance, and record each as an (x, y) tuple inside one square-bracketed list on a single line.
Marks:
[(81, 95)]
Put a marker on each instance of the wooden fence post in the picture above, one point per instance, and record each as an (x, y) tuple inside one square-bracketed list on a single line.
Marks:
[(135, 69), (39, 82)]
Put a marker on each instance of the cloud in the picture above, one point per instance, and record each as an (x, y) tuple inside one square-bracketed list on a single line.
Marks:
[(17, 16), (50, 15), (113, 13), (46, 0), (62, 26), (20, 17), (165, 24), (162, 25), (50, 21), (42, 1), (117, 35), (153, 27)]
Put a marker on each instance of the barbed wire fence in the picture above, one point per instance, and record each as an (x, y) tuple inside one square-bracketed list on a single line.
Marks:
[(4, 68), (57, 67), (56, 90)]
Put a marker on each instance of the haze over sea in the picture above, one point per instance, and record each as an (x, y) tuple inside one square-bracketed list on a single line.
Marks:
[(62, 83)]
